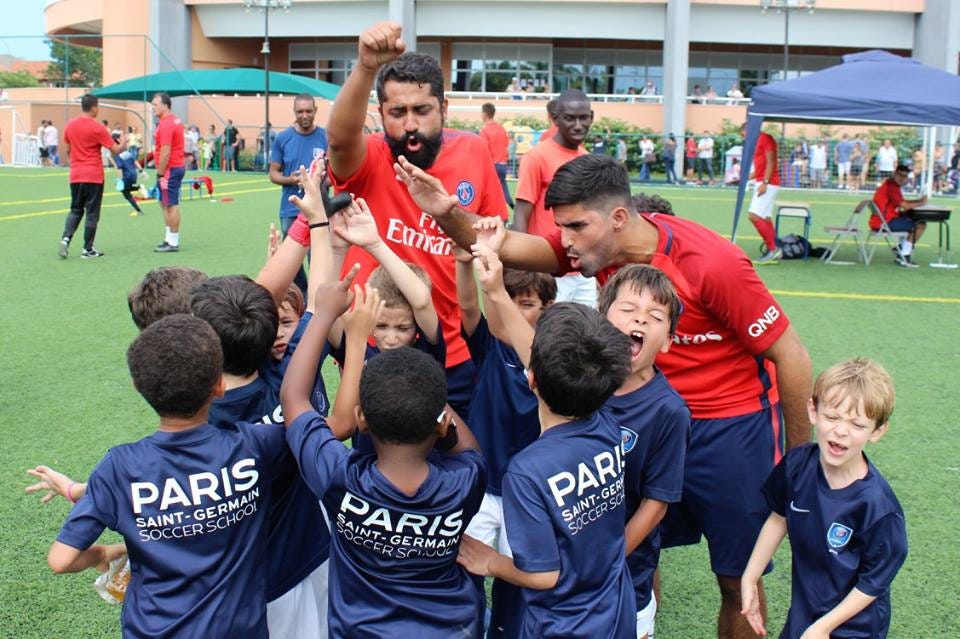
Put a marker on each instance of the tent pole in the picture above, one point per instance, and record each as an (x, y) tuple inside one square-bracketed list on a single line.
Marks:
[(928, 173)]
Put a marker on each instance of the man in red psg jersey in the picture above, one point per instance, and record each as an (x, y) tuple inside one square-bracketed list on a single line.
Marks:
[(412, 106), (735, 360)]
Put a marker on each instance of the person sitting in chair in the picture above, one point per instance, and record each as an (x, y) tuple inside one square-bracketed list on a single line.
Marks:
[(892, 206)]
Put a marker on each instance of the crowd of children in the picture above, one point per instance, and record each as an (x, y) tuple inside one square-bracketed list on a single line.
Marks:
[(244, 515)]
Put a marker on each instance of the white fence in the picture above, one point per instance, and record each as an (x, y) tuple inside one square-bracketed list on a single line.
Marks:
[(26, 150)]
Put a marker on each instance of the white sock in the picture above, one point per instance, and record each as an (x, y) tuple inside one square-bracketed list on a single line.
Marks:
[(166, 234), (906, 248), (173, 239)]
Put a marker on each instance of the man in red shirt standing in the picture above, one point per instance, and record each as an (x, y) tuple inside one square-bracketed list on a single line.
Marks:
[(889, 200), (168, 155), (765, 179), (412, 107), (735, 359), (83, 137), (497, 141)]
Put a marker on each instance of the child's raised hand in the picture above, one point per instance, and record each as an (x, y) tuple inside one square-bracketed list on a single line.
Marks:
[(490, 232), (489, 269), (751, 607), (336, 297), (311, 204), (273, 240), (55, 483), (475, 556), (359, 229), (363, 317)]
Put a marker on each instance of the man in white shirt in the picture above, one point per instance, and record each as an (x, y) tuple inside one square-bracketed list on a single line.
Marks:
[(818, 164), (886, 161), (705, 157), (51, 140)]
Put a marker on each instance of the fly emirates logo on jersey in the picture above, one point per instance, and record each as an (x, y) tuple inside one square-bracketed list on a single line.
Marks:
[(396, 534), (590, 491), (427, 237), (198, 504)]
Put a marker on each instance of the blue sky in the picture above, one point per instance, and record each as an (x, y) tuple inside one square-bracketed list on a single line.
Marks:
[(23, 18)]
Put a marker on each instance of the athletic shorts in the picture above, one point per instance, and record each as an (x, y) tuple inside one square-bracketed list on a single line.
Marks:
[(169, 186), (461, 380), (44, 153), (301, 612), (645, 618), (728, 460), (762, 205), (843, 168), (488, 525), (901, 224)]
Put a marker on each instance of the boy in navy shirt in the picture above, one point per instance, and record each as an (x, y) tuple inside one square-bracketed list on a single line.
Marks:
[(563, 496), (846, 527), (397, 514), (127, 170), (191, 501), (654, 421), (503, 409)]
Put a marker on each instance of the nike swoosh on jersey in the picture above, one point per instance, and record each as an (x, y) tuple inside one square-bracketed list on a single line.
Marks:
[(796, 509)]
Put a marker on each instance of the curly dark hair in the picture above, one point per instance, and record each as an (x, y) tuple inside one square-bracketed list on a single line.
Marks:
[(176, 364), (245, 317), (402, 392), (652, 204), (163, 291), (578, 359), (418, 68)]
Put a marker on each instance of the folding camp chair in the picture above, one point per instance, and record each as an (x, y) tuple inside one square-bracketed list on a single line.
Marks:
[(849, 230), (892, 238)]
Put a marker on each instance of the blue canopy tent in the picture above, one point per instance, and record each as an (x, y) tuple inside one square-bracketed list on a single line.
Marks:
[(872, 87)]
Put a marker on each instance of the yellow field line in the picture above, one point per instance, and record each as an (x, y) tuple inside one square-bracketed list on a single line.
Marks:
[(868, 297), (23, 216), (106, 194)]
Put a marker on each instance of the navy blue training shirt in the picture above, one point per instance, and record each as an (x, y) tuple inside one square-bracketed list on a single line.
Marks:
[(393, 559), (563, 506), (192, 507), (291, 150), (503, 411), (655, 426), (851, 537), (272, 371)]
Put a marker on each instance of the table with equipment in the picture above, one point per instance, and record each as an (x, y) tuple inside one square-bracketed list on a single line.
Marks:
[(940, 216)]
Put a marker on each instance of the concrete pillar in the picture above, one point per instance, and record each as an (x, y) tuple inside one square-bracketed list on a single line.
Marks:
[(676, 61), (405, 12), (171, 44), (936, 42)]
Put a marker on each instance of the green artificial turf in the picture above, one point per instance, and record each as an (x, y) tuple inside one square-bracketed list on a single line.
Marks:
[(65, 396)]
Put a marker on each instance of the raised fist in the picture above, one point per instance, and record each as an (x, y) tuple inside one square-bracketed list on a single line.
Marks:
[(380, 44)]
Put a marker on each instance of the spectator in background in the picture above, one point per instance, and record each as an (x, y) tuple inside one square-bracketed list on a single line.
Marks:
[(116, 130), (191, 137), (917, 170), (711, 93), (42, 143), (231, 146), (134, 142), (698, 93), (818, 164), (732, 176), (734, 93), (859, 162), (213, 144), (2, 161), (51, 140), (705, 156), (939, 167), (798, 165), (621, 151), (647, 156), (599, 146), (886, 161), (670, 158), (497, 141), (649, 88), (690, 156), (841, 157)]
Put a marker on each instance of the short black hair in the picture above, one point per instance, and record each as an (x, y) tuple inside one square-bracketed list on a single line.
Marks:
[(176, 364), (639, 277), (88, 101), (569, 96), (552, 107), (164, 98), (304, 97), (597, 182), (243, 314), (540, 284), (163, 291), (652, 204), (488, 109), (902, 168), (578, 359), (402, 393), (418, 68)]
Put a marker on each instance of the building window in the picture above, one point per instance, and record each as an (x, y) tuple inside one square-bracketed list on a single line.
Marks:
[(497, 67), (607, 71), (333, 61)]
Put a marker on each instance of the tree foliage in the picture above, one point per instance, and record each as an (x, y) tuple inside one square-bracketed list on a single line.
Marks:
[(15, 79), (84, 64)]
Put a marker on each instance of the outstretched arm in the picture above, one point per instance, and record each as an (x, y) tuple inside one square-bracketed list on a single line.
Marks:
[(519, 250), (795, 381), (55, 483), (378, 45), (480, 559), (772, 533), (513, 329), (63, 558), (851, 605), (467, 296)]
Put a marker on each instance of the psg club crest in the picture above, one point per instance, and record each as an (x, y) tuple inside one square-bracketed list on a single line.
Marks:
[(838, 535), (628, 439), (465, 193)]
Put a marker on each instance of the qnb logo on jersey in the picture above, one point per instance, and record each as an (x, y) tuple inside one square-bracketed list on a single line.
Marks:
[(838, 535), (702, 338), (764, 322), (465, 193), (592, 490)]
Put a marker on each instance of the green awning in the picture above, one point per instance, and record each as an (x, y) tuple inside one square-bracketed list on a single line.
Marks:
[(215, 81)]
